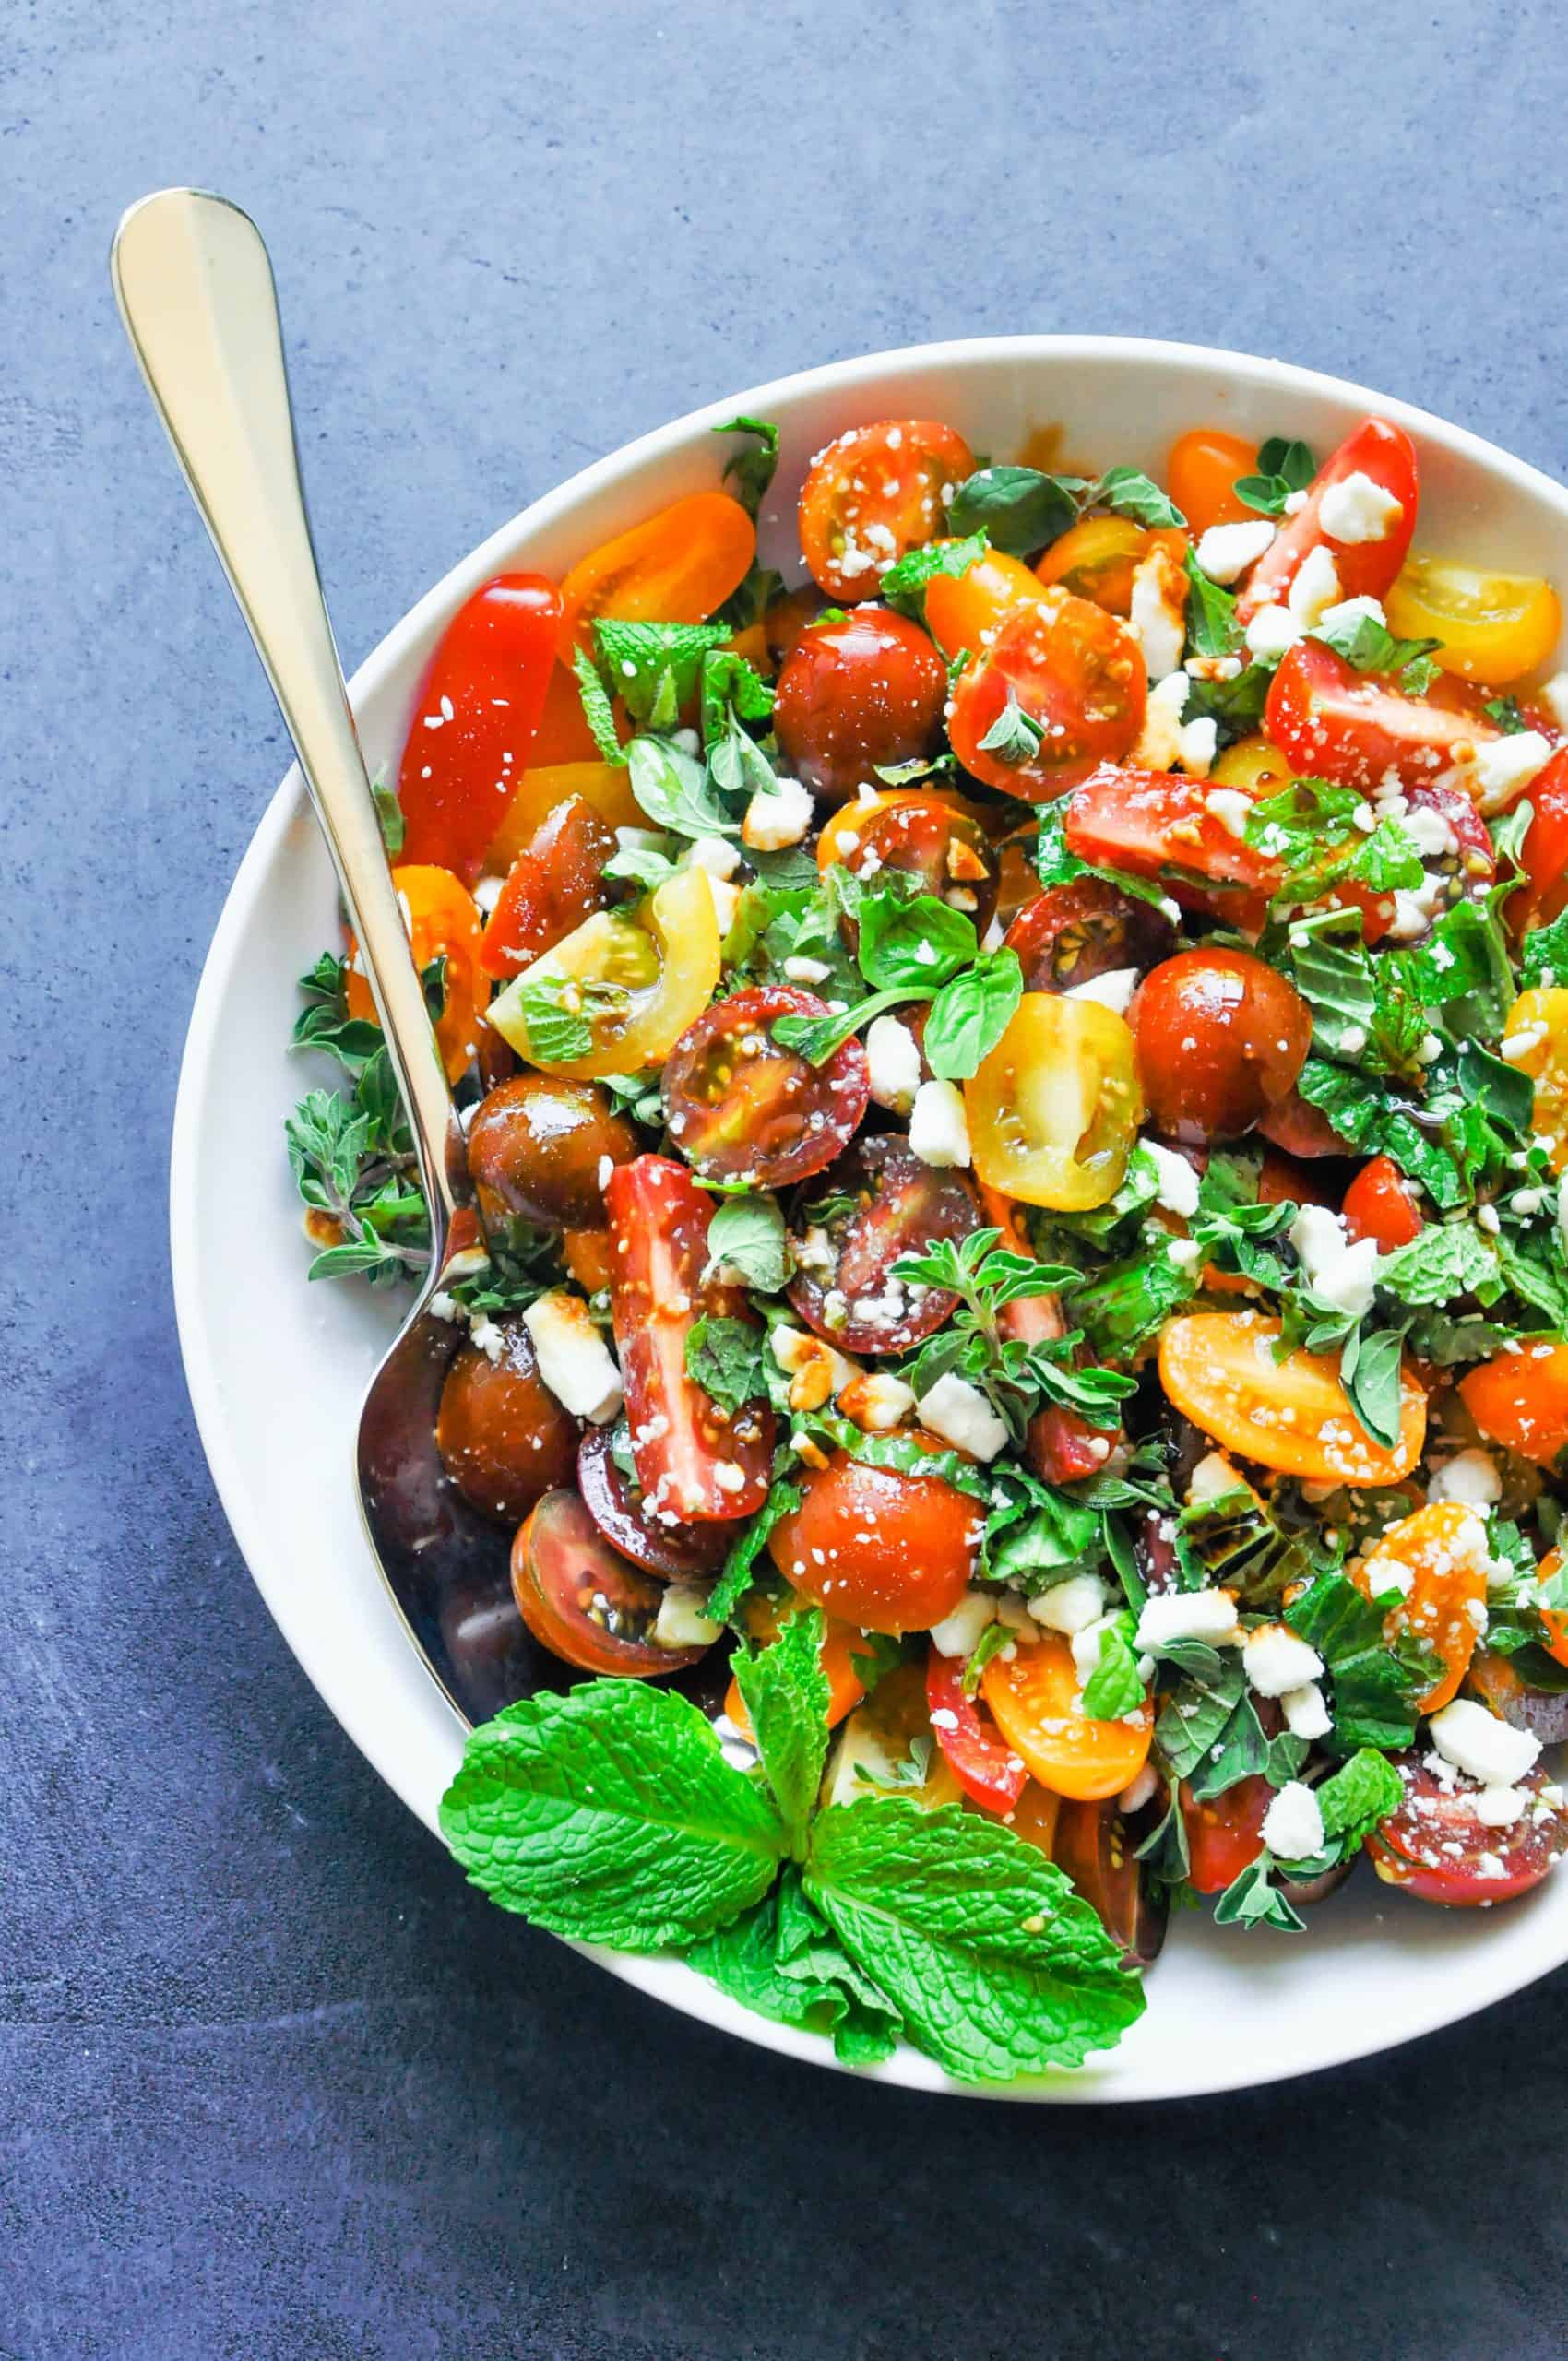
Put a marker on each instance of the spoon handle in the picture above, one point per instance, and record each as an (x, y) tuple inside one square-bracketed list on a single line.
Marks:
[(196, 294)]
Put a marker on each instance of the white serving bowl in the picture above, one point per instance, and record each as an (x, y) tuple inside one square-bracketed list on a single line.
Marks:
[(277, 1368)]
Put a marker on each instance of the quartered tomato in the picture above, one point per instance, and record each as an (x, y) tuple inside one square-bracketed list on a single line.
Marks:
[(1072, 934), (635, 978), (1054, 1110), (842, 1644), (962, 611), (676, 567), (583, 1601), (1521, 1399), (603, 785), (1070, 669), (1095, 559), (1219, 1369), (692, 1460), (1535, 1040), (879, 1202), (1096, 1843), (1437, 1847), (444, 923), (1035, 1699), (1330, 721), (1221, 1039), (924, 837), (1201, 475), (1544, 895), (535, 1150), (866, 690), (687, 1553), (885, 1551), (740, 1108), (874, 495), (1380, 1202), (1494, 627), (554, 883), (1385, 454), (1155, 824), (1224, 1831), (1437, 1560), (986, 1768), (472, 737), (502, 1437)]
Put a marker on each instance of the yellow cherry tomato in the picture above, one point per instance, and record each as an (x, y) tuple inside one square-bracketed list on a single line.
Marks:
[(1034, 1701), (963, 610), (604, 785), (1255, 767), (875, 1753), (637, 978), (444, 922), (1219, 1369), (1054, 1110), (1495, 627), (1437, 1561), (1535, 1040), (1094, 559)]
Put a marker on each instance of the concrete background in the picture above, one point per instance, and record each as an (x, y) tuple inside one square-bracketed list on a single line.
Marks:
[(272, 2083)]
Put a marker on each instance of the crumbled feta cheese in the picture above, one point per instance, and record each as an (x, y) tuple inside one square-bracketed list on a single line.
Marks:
[(958, 1634), (680, 1622), (726, 902), (490, 1340), (1232, 808), (1293, 1826), (574, 1360), (777, 817), (1430, 831), (487, 893), (1071, 1605), (1225, 552), (1113, 990), (1315, 588), (893, 1060), (1501, 1807), (1359, 509), (1197, 747), (1160, 741), (1158, 614), (939, 1129), (1414, 910), (1554, 697), (807, 972), (1189, 1615), (715, 854), (1343, 1274), (880, 1402), (1503, 767), (1272, 632), (1176, 1184), (1350, 611), (1474, 1740), (959, 1413), (1306, 1713), (1274, 1660), (1471, 1476)]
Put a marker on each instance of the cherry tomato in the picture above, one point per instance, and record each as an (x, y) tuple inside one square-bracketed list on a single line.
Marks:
[(869, 689), (1494, 627), (962, 611), (1094, 559), (1201, 474), (1221, 1039), (1154, 824), (582, 1600), (535, 1148), (843, 1648), (675, 567), (787, 618), (1224, 1831), (1072, 934), (1036, 1817), (1301, 1129), (1366, 569), (1438, 1560), (692, 1459), (472, 734), (1219, 1369), (1544, 896), (1284, 1181), (557, 878), (988, 1771), (637, 978), (741, 1109), (1097, 1847), (882, 1201), (1521, 1399), (1492, 1679), (688, 1553), (601, 785), (883, 1550), (586, 1255), (444, 923), (1035, 1699), (1054, 1110), (1330, 721), (1075, 671), (502, 1437), (924, 837), (874, 495), (1381, 1204), (1437, 1847), (1535, 1040), (1063, 1447)]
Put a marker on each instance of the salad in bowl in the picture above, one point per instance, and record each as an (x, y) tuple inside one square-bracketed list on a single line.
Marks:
[(1015, 1091)]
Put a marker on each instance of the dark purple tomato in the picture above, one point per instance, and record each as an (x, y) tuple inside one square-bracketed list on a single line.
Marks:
[(878, 1202)]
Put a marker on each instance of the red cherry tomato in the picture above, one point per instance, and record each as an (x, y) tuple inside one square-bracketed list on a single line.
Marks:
[(874, 495), (1330, 721), (1545, 852), (1062, 1446), (1155, 824), (923, 837), (1072, 934), (692, 1460), (1221, 1039), (1224, 1833), (882, 1201), (677, 1553), (887, 1551), (1301, 1130), (502, 1437), (869, 689), (582, 1600), (1366, 569), (554, 883), (1435, 1847), (1097, 1848), (1381, 1204), (472, 737), (981, 1759), (1283, 1181), (1073, 671), (741, 1107)]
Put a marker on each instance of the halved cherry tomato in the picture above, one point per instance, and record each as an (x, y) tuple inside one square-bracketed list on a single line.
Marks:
[(1301, 1129), (1437, 1847), (1381, 1204), (1096, 1845), (876, 1754), (874, 495), (693, 1460), (472, 734), (1224, 1831), (1036, 1700), (1055, 1108), (1366, 569), (1438, 1558), (1330, 721), (535, 1150), (444, 923), (603, 785), (1073, 672), (1201, 475), (1063, 1447), (1556, 1621), (740, 1108), (555, 881), (988, 1771), (1493, 1679), (1155, 824), (689, 1553), (866, 690), (1521, 1399), (1219, 1369), (1095, 559), (883, 1202), (1254, 765), (502, 1437), (1545, 851), (885, 1551), (1494, 627), (841, 1644), (1535, 1040), (583, 1601), (637, 978), (964, 610), (924, 837), (1072, 934), (675, 567), (1221, 1039)]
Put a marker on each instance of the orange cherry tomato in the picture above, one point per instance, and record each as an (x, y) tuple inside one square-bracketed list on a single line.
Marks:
[(964, 610), (1438, 1558), (563, 735), (675, 567), (1075, 671), (840, 1643), (1291, 1414), (1221, 1039), (1201, 474), (444, 922), (1097, 557), (474, 721), (1521, 1399), (881, 1550), (1381, 1204), (1554, 1618), (1035, 1702), (607, 786), (874, 495)]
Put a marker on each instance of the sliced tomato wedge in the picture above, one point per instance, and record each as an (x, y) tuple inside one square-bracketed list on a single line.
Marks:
[(1224, 1831), (743, 1108), (1366, 569), (1436, 1846), (1545, 852), (1072, 934), (1330, 721), (1063, 1447), (556, 881), (692, 1460), (1155, 824), (472, 733), (878, 1202), (1072, 672), (983, 1763)]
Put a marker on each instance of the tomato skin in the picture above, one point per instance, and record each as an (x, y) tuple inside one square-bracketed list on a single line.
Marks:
[(1438, 1556), (1221, 1039), (1381, 1204), (963, 610), (681, 1441), (1201, 473), (989, 1773), (766, 1116), (492, 665), (1330, 721), (1147, 822), (1072, 934), (535, 1148), (1366, 569), (1073, 668), (855, 694), (911, 1572), (1224, 1831), (1492, 627), (902, 1206), (1034, 1700), (872, 495), (552, 886), (1062, 1446), (1096, 1845), (444, 922), (1544, 895), (674, 567), (1520, 1400), (1219, 1369), (545, 787), (502, 1437), (1433, 1846), (675, 1553), (585, 1602)]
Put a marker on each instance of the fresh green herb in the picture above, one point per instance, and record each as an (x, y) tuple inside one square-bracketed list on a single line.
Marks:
[(1251, 1899), (1018, 509), (353, 1163), (1114, 1687), (729, 1359), (1212, 628), (389, 812), (1127, 491), (598, 710), (654, 668), (1363, 1791), (755, 465), (1015, 737), (1544, 955), (1324, 835), (1235, 706), (969, 1015), (1374, 1685), (912, 945), (1370, 647), (747, 1233), (905, 582), (781, 1959), (1371, 1371), (1283, 467), (324, 1024), (1506, 712), (558, 1014), (733, 690), (785, 1691), (740, 1566), (675, 791)]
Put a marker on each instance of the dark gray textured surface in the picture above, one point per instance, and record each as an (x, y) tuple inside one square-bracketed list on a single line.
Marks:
[(272, 2083)]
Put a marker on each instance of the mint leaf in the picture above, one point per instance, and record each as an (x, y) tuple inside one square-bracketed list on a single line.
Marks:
[(783, 1960), (1363, 1791), (748, 1234), (969, 1016), (673, 788), (1018, 509), (1127, 491), (598, 711), (740, 1566), (1506, 712), (610, 1815), (1447, 1260), (729, 1359), (785, 1691), (1544, 958), (753, 466), (1370, 645), (654, 668)]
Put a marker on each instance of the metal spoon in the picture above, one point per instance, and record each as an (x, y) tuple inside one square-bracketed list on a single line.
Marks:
[(196, 292)]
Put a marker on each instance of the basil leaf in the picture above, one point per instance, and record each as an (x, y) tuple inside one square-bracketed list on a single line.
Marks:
[(1127, 491), (1369, 644), (912, 947), (748, 1234), (1018, 509), (1212, 628), (969, 1016)]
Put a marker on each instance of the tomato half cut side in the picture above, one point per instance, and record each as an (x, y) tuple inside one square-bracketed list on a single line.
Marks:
[(1073, 933), (1544, 895), (583, 1601), (675, 567), (1054, 1108), (1437, 1560), (879, 1200), (1330, 721), (556, 881), (689, 1553), (443, 924), (1520, 1400), (878, 1548), (1436, 1847), (1097, 1845), (741, 1107), (1221, 1371), (1034, 1697), (985, 1767), (1156, 825), (1072, 672), (1384, 454), (923, 836), (863, 690), (872, 495)]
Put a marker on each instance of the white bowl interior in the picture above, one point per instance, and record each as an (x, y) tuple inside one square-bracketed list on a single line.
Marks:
[(277, 1368)]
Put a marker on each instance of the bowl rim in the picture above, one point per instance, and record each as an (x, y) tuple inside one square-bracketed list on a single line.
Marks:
[(354, 1711)]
